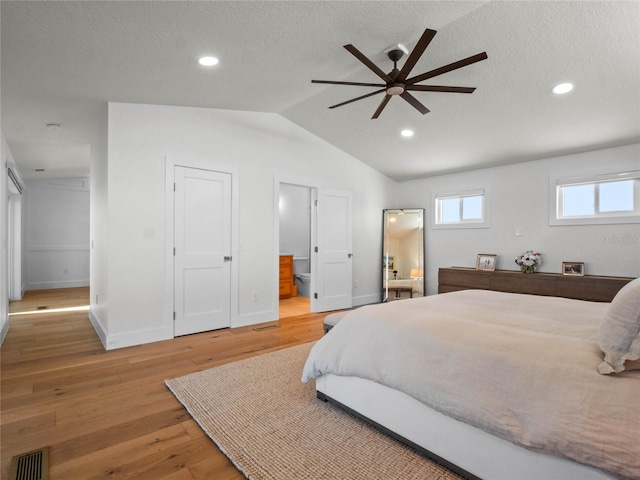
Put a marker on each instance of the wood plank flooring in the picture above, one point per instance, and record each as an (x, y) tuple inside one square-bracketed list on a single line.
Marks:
[(107, 414), (290, 307)]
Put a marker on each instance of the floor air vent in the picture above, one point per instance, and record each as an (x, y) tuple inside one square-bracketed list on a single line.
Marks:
[(30, 466), (267, 327)]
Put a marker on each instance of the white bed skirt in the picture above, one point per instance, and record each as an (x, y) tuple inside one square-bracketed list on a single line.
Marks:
[(469, 448)]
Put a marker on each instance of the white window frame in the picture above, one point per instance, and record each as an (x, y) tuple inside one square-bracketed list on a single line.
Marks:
[(557, 183), (437, 212)]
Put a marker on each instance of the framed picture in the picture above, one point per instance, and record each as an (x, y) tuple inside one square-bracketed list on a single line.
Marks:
[(573, 268), (387, 263), (486, 261)]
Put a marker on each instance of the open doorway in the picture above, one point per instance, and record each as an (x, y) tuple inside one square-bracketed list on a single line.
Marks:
[(295, 249)]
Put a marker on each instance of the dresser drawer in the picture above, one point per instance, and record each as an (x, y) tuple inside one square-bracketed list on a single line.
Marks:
[(286, 276)]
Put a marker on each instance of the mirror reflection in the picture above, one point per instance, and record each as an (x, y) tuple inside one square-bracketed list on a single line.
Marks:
[(403, 254)]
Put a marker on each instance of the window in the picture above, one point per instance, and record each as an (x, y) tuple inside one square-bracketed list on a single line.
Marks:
[(460, 209), (609, 198)]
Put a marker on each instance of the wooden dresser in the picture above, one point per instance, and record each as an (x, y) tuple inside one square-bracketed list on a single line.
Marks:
[(287, 285), (589, 287)]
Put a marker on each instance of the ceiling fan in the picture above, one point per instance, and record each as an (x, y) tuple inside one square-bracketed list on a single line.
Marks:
[(396, 81)]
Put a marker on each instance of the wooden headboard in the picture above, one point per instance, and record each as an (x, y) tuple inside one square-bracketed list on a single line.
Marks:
[(589, 287)]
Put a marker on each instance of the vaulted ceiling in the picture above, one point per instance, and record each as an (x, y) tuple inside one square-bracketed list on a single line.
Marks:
[(61, 61)]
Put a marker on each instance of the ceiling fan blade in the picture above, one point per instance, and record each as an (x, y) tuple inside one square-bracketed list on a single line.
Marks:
[(416, 53), (414, 101), (447, 68), (358, 98), (383, 104), (331, 82), (372, 66), (439, 88)]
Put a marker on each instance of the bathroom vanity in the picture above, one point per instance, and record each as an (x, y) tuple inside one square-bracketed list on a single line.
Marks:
[(287, 285)]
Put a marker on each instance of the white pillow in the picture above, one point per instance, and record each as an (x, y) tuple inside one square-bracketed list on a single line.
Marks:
[(619, 335)]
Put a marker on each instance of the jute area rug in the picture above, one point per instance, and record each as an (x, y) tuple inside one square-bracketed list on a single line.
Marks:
[(272, 426)]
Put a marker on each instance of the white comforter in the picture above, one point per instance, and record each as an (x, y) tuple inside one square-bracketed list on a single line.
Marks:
[(521, 367)]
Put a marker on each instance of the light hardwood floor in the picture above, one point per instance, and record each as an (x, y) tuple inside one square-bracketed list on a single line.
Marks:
[(290, 307), (107, 414)]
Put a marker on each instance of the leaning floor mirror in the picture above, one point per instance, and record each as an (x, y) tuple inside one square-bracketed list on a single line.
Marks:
[(402, 254)]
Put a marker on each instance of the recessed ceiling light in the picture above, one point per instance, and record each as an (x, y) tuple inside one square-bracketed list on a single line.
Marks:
[(407, 133), (208, 61), (562, 88), (53, 126)]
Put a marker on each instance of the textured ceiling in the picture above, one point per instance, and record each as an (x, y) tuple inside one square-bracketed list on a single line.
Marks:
[(61, 61)]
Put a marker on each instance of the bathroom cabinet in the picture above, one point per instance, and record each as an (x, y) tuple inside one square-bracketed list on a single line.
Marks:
[(287, 285)]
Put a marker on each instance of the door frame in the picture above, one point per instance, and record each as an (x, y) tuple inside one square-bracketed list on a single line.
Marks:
[(277, 181), (14, 247), (200, 164), (313, 256)]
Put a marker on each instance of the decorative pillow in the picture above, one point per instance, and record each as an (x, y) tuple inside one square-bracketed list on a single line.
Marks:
[(619, 335)]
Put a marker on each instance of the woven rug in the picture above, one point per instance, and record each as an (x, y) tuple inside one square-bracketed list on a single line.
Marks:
[(272, 426)]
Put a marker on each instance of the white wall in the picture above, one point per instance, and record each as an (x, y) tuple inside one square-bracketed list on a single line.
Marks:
[(11, 236), (260, 150), (5, 156), (57, 215), (518, 198), (98, 231)]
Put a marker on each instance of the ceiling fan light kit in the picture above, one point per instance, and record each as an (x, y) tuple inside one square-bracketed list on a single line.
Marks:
[(396, 81)]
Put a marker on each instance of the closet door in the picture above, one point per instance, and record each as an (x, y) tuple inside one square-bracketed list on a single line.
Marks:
[(202, 240)]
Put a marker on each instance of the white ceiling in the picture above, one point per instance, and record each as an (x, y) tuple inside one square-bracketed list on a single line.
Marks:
[(61, 61)]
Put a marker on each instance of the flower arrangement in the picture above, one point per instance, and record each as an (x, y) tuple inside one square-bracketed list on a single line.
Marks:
[(528, 261)]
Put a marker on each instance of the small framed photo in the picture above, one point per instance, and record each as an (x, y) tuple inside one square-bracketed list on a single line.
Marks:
[(486, 261), (573, 268)]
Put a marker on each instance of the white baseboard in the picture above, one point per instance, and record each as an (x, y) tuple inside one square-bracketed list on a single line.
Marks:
[(97, 325), (367, 299), (138, 337), (255, 318), (58, 284), (4, 330), (127, 339)]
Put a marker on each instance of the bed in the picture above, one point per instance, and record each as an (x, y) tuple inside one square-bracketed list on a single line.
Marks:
[(495, 385)]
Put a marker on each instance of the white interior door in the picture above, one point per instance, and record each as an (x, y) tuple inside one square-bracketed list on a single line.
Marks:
[(332, 284), (202, 240)]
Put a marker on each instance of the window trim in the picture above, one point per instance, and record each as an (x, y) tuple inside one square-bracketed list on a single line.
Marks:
[(556, 182), (470, 192)]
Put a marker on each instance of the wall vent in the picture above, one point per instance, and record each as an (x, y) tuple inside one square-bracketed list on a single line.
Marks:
[(30, 466)]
